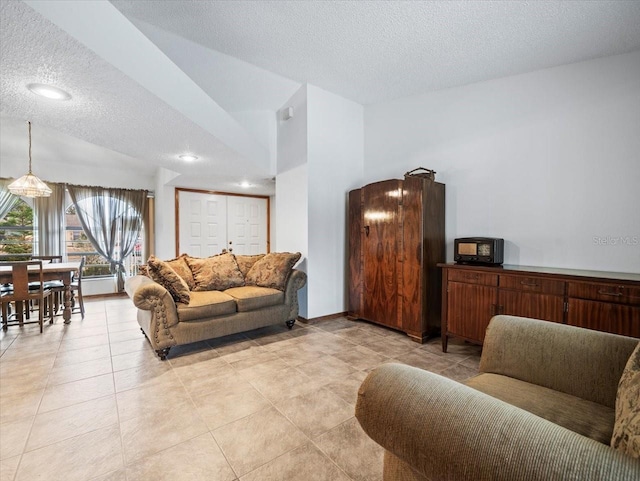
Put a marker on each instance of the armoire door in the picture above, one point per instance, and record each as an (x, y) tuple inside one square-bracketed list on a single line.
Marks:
[(380, 249)]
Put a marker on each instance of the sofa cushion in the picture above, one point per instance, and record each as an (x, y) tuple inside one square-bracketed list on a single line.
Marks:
[(245, 263), (179, 264), (163, 274), (272, 270), (581, 416), (626, 430), (215, 273), (206, 304), (250, 298)]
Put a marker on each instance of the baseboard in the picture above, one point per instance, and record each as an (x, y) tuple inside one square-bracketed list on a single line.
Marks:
[(328, 317)]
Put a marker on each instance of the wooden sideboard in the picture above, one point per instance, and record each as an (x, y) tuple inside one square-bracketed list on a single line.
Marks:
[(472, 295)]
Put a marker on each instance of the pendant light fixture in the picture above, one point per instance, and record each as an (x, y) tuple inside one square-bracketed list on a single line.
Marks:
[(29, 185)]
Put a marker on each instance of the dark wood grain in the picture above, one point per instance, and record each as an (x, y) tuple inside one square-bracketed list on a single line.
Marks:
[(355, 253), (606, 291), (604, 316), (537, 306), (380, 252), (470, 307)]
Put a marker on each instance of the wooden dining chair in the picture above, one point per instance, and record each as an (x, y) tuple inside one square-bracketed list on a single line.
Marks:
[(20, 295), (76, 289)]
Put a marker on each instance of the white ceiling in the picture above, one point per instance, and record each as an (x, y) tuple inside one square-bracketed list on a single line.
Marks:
[(230, 58)]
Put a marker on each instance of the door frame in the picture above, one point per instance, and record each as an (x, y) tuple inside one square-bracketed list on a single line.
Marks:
[(216, 192)]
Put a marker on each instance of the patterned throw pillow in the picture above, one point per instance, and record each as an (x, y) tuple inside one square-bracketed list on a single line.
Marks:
[(626, 431), (272, 270), (179, 264), (163, 274), (215, 273), (245, 263)]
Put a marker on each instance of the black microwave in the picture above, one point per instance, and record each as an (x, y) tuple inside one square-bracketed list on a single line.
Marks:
[(478, 250)]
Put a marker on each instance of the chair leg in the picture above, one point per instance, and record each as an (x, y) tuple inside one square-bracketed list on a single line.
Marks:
[(41, 314)]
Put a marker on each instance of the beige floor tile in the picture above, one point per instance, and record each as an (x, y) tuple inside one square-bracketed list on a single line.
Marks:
[(19, 405), (23, 380), (353, 451), (327, 368), (8, 468), (472, 362), (425, 360), (361, 358), (347, 388), (297, 355), (82, 370), (119, 475), (306, 463), (197, 377), (151, 399), (260, 370), (221, 407), (76, 356), (76, 459), (156, 431), (257, 439), (129, 346), (126, 334), (145, 375), (359, 335), (238, 351), (392, 347), (198, 459), (14, 436), (195, 353), (65, 423), (114, 327), (459, 372), (62, 395), (256, 358), (316, 412), (77, 330), (133, 359), (84, 342), (285, 384)]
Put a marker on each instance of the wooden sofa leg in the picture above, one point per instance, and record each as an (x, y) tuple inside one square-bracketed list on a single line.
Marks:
[(163, 353), (290, 323)]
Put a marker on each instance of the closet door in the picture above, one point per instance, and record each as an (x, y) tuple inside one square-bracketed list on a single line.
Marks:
[(247, 225), (202, 223), (381, 250)]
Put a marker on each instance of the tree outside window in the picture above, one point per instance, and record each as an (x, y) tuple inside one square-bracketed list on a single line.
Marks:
[(16, 232)]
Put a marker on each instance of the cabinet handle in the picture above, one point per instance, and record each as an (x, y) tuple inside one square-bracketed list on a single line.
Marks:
[(529, 284), (609, 293), (472, 277), (366, 230)]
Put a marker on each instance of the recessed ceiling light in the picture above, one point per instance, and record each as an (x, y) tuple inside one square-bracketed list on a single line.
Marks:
[(49, 91), (188, 157), (245, 184)]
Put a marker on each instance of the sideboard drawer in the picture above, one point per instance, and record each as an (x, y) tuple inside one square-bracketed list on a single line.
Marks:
[(605, 292), (472, 277), (532, 284)]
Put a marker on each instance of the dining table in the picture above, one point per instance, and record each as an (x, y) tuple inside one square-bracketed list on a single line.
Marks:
[(52, 271)]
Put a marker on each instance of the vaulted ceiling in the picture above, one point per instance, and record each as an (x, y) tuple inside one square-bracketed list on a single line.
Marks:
[(153, 79)]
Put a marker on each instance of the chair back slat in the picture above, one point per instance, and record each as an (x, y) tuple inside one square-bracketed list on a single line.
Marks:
[(20, 279)]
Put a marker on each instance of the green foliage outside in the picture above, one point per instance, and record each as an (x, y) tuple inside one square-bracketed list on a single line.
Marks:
[(18, 240)]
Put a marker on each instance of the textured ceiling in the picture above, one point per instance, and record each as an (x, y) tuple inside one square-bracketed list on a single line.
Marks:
[(371, 51), (251, 56)]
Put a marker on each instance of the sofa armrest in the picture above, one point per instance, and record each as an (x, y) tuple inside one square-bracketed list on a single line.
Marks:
[(296, 281), (148, 295), (446, 430), (581, 362)]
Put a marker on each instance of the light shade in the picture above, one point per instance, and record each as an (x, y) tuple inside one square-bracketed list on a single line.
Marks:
[(29, 186)]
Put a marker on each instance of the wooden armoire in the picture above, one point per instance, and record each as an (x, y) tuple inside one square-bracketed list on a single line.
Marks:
[(396, 240)]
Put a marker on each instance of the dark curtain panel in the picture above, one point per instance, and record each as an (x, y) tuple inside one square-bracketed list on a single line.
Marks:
[(50, 221)]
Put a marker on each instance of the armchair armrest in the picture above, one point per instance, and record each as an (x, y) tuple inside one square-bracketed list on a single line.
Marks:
[(581, 362), (148, 295), (445, 430), (296, 281)]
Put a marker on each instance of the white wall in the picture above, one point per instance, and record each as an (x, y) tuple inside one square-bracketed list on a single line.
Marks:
[(165, 210), (291, 201), (335, 159), (549, 160)]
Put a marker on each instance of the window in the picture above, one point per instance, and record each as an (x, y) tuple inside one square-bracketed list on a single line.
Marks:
[(16, 232), (77, 244)]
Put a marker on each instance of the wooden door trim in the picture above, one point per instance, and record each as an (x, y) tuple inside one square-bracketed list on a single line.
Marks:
[(216, 192)]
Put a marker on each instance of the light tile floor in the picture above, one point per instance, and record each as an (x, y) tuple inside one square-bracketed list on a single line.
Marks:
[(91, 401)]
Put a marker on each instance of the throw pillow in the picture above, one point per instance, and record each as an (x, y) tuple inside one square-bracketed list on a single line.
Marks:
[(272, 270), (179, 264), (626, 430), (163, 274), (245, 263), (215, 273)]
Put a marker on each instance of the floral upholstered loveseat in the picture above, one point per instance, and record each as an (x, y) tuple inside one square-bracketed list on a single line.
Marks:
[(191, 299)]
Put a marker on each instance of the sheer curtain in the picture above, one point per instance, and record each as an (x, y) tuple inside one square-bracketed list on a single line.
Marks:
[(7, 199), (50, 221), (111, 219)]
